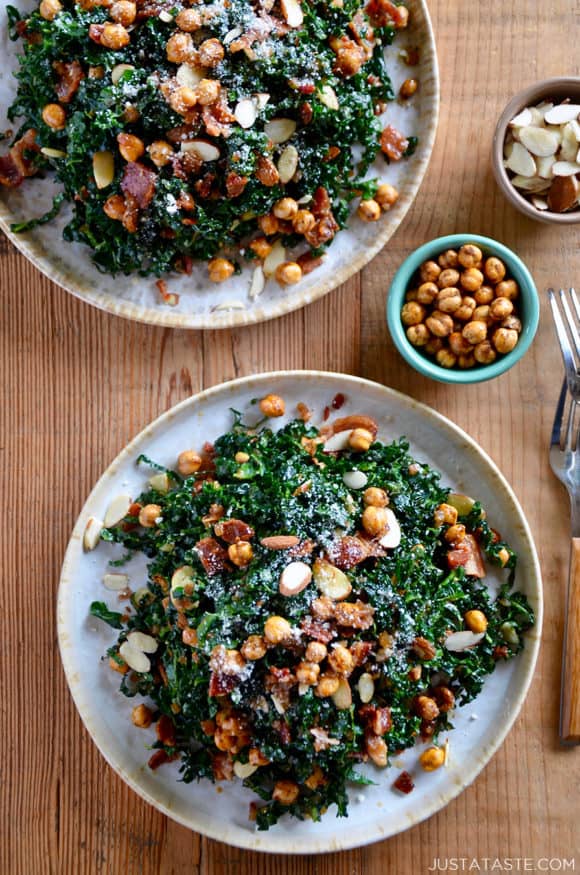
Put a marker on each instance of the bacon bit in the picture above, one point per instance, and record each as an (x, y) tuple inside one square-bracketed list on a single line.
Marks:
[(134, 509), (360, 651), (260, 30), (321, 204), (163, 674), (325, 413), (15, 167), (306, 112), (165, 731), (70, 77), (283, 729), (208, 726), (393, 143), (96, 32), (304, 86), (349, 423), (221, 684), (500, 652), (215, 513), (160, 756), (183, 263), (338, 401), (319, 631), (467, 554), (233, 530), (404, 783), (204, 185), (168, 297), (139, 182), (378, 720), (222, 766), (322, 740), (347, 552), (303, 411), (281, 676), (305, 548), (218, 118), (213, 556), (309, 262), (235, 184), (383, 12), (130, 218)]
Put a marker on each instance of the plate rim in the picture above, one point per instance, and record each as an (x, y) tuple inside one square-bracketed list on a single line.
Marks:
[(165, 316), (252, 840)]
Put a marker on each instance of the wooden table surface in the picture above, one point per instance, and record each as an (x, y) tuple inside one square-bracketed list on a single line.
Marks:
[(78, 384)]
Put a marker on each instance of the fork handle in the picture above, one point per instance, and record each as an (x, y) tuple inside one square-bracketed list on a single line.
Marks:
[(570, 699)]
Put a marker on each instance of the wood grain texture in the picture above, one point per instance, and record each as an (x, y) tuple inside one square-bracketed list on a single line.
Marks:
[(570, 715), (78, 384)]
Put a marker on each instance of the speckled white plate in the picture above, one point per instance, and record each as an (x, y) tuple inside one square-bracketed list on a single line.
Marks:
[(480, 728), (136, 298)]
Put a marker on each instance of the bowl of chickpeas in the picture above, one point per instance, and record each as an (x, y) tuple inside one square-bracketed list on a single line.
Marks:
[(462, 309)]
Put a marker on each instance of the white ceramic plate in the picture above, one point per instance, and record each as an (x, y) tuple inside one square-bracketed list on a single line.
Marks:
[(107, 713), (136, 298)]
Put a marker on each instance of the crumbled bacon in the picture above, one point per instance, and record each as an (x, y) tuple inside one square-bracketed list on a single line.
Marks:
[(233, 530), (384, 12), (130, 218), (262, 26), (212, 555), (221, 684), (378, 720), (96, 32), (393, 143), (318, 630), (158, 759), (347, 552), (404, 783), (70, 77), (218, 118), (203, 186), (222, 766), (139, 182), (165, 730), (235, 184), (309, 262), (468, 555), (16, 166)]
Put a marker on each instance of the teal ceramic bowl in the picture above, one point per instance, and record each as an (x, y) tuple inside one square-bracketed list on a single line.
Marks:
[(528, 309)]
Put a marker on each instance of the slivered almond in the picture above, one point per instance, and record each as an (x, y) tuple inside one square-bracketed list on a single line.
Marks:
[(392, 537), (287, 163), (539, 141), (118, 71), (520, 161), (331, 581), (564, 112), (295, 578), (160, 482), (189, 76), (142, 641), (292, 12), (279, 542), (182, 577), (115, 582), (565, 168), (327, 96), (244, 770), (458, 641), (349, 423), (257, 284), (522, 119), (103, 168), (166, 16), (343, 696), (53, 153), (231, 35), (337, 442), (366, 688), (134, 658), (246, 112), (275, 257), (279, 129), (92, 534), (262, 99), (117, 510), (206, 150)]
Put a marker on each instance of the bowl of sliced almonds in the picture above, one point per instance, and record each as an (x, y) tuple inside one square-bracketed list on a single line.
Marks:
[(536, 151)]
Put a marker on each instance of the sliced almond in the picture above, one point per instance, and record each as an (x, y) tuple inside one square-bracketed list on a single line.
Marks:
[(392, 537), (118, 71), (463, 504), (575, 129), (189, 76), (544, 166), (565, 168), (92, 534), (520, 161), (246, 112), (261, 99), (257, 284), (206, 150), (295, 578), (275, 257), (458, 641), (142, 641), (522, 119), (292, 12), (327, 96), (569, 145), (564, 112), (134, 658), (182, 577), (563, 193), (244, 770), (103, 168), (117, 510), (355, 479), (287, 163), (53, 153), (166, 16), (366, 688), (279, 542), (115, 582), (279, 129), (331, 581), (531, 183), (231, 35), (160, 482), (538, 112), (343, 697), (538, 141), (229, 305), (540, 203)]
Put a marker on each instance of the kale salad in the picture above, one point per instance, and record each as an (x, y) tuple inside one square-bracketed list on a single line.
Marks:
[(315, 600), (223, 132)]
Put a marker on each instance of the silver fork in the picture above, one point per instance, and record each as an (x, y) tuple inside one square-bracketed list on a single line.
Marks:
[(566, 313)]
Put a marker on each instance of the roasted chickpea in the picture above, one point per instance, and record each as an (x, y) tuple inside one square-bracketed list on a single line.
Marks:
[(507, 289), (285, 792), (408, 88), (369, 210), (448, 259), (426, 708), (114, 36), (316, 651), (307, 673), (471, 279), (484, 295), (429, 272), (455, 533), (418, 335), (465, 312), (241, 553), (448, 278), (286, 208), (241, 457), (277, 630), (211, 52), (446, 358), (188, 462), (494, 269), (220, 269), (123, 12), (476, 621), (484, 353), (327, 686), (130, 147), (360, 440), (374, 520), (386, 196), (179, 48), (458, 344), (148, 516), (130, 114), (445, 515), (188, 20), (466, 361), (141, 716), (512, 322), (340, 660), (54, 116), (440, 324), (207, 91), (427, 292), (412, 295), (160, 152), (288, 273), (432, 759), (475, 332), (469, 255), (504, 340), (412, 313), (303, 221), (114, 207), (261, 247), (449, 300), (183, 99), (269, 225), (481, 314), (433, 345), (500, 309), (272, 406), (49, 9)]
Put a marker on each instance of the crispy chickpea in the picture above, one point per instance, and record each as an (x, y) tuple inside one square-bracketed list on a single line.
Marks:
[(114, 207), (374, 520), (448, 278), (272, 405), (484, 295), (418, 335), (500, 309), (433, 345), (253, 648), (141, 716), (449, 300), (307, 673), (360, 440), (97, 72), (465, 312), (455, 533), (241, 457), (269, 225), (54, 116), (458, 344), (448, 259), (277, 630), (114, 36), (503, 557), (504, 340), (513, 323), (466, 361), (286, 208), (183, 99), (261, 247), (426, 707), (285, 792), (440, 324), (303, 221), (386, 196), (471, 279), (476, 621), (507, 289), (220, 269), (446, 358), (207, 91), (340, 660), (481, 314), (474, 332), (240, 553), (211, 52), (484, 353), (179, 48), (469, 255), (373, 496), (369, 210), (49, 9), (188, 20), (123, 12), (427, 292), (288, 273), (188, 462), (432, 759), (160, 152), (494, 269), (429, 272), (327, 686), (316, 651), (148, 516), (408, 88), (120, 667), (130, 114), (130, 147), (412, 313), (445, 515)]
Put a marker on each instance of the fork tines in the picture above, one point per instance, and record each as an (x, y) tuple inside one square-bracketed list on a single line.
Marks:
[(566, 313)]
